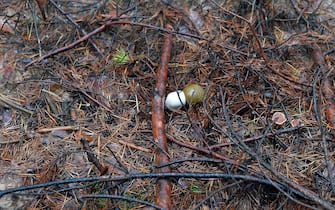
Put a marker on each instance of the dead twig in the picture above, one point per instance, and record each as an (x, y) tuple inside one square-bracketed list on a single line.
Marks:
[(256, 137), (76, 25), (133, 146), (118, 197), (259, 46), (327, 87), (208, 152), (163, 197), (42, 4), (147, 175), (308, 194), (84, 38), (329, 95), (92, 158), (64, 128), (122, 22), (211, 160), (13, 104)]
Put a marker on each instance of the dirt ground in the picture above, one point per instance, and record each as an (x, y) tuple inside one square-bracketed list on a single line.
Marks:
[(267, 120)]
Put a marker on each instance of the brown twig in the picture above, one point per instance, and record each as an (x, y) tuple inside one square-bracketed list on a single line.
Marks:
[(203, 150), (147, 175), (123, 22), (42, 6), (281, 178), (102, 28), (259, 46), (58, 128), (92, 158), (13, 104), (329, 95), (327, 87), (287, 130), (133, 146), (77, 26), (163, 197), (84, 38)]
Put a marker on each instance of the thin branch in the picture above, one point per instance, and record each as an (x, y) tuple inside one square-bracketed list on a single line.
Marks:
[(259, 46), (329, 95), (147, 175), (163, 197), (211, 160), (92, 158), (118, 197), (13, 104), (121, 22), (59, 50), (77, 26), (283, 179), (250, 139), (203, 150)]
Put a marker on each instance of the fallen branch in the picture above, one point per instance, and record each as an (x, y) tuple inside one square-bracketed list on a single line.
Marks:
[(76, 25), (327, 87), (92, 158), (87, 36), (13, 104), (250, 139), (233, 136), (163, 197), (259, 46), (203, 150), (328, 94), (118, 197), (133, 146), (148, 175), (59, 50)]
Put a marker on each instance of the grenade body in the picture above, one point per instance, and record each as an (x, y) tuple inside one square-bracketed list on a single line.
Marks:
[(175, 100), (191, 94), (194, 93)]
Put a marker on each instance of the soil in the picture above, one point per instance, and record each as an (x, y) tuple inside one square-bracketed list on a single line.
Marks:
[(74, 109)]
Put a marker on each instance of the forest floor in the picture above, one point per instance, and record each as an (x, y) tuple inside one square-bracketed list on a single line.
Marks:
[(76, 104)]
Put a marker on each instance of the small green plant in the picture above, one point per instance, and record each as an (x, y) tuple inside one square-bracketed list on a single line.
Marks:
[(294, 70), (194, 188), (121, 57), (197, 187)]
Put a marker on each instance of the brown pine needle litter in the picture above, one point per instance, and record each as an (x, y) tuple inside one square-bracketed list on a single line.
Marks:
[(82, 118)]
